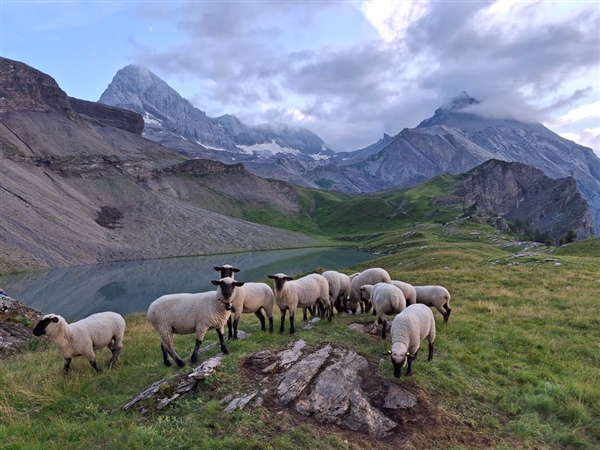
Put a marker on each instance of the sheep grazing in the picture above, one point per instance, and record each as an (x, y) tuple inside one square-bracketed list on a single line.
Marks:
[(340, 285), (291, 294), (250, 298), (193, 314), (409, 328), (105, 329), (410, 294), (369, 276), (437, 296), (386, 299)]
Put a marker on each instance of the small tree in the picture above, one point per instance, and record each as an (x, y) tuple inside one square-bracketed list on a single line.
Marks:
[(571, 236)]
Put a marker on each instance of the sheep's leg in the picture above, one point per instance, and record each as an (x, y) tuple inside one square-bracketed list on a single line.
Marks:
[(261, 317), (95, 365), (194, 358), (235, 327), (430, 351), (167, 348), (292, 314), (229, 328), (222, 341), (116, 351), (66, 365), (383, 327), (165, 355), (283, 311), (271, 324), (304, 314), (442, 312), (409, 369)]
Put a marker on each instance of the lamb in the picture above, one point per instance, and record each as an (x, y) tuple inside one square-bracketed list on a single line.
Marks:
[(409, 328), (386, 299), (193, 313), (303, 292), (340, 285), (437, 296), (105, 329), (250, 298), (369, 276), (410, 294)]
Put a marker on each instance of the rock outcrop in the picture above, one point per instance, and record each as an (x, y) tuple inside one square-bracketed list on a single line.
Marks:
[(16, 325), (105, 115), (518, 191)]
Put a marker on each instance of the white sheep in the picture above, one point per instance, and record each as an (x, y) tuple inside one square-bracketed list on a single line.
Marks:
[(250, 298), (369, 276), (193, 313), (340, 285), (386, 299), (303, 292), (437, 296), (410, 294), (105, 329), (409, 328)]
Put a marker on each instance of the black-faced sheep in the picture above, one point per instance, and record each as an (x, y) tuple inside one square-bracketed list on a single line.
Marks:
[(250, 298), (386, 299), (105, 329), (436, 296), (370, 276), (193, 313), (291, 294), (409, 328)]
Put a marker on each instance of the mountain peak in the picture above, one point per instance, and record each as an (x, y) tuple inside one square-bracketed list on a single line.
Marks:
[(459, 102)]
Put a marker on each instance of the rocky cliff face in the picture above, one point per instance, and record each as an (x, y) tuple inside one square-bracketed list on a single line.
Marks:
[(518, 191), (104, 115)]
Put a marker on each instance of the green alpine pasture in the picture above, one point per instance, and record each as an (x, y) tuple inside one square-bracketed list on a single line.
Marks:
[(518, 362)]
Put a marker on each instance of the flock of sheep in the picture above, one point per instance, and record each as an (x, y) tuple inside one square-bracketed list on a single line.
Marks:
[(198, 313)]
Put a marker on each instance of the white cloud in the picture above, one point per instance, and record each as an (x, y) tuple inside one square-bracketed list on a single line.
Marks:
[(392, 19), (588, 111), (590, 137)]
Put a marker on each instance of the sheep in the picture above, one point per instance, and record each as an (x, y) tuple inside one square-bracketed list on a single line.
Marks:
[(105, 329), (437, 296), (339, 289), (291, 294), (369, 276), (250, 298), (386, 299), (409, 328), (193, 313), (226, 270), (410, 294)]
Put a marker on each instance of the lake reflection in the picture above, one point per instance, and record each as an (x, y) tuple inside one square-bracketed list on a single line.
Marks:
[(129, 287)]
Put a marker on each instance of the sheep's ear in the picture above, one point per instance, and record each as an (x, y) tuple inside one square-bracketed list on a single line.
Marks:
[(289, 278), (217, 268), (239, 283), (55, 319), (272, 277), (215, 282), (407, 353), (235, 270)]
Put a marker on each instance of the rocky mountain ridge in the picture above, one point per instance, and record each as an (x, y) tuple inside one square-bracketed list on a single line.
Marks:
[(454, 140)]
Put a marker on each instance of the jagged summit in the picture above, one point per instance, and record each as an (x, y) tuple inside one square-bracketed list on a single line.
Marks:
[(171, 118), (461, 101)]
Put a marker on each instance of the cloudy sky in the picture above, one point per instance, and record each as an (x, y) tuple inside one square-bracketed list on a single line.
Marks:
[(347, 70)]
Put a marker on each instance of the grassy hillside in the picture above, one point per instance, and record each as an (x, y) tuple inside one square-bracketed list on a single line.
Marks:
[(517, 366)]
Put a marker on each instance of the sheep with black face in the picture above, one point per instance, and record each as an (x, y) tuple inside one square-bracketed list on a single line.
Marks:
[(193, 314)]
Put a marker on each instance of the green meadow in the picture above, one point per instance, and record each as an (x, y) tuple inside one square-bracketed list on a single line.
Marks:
[(516, 367)]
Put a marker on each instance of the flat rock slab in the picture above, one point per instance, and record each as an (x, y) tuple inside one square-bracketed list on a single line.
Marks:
[(327, 384)]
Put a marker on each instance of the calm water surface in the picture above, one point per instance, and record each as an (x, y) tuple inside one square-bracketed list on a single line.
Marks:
[(129, 287)]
